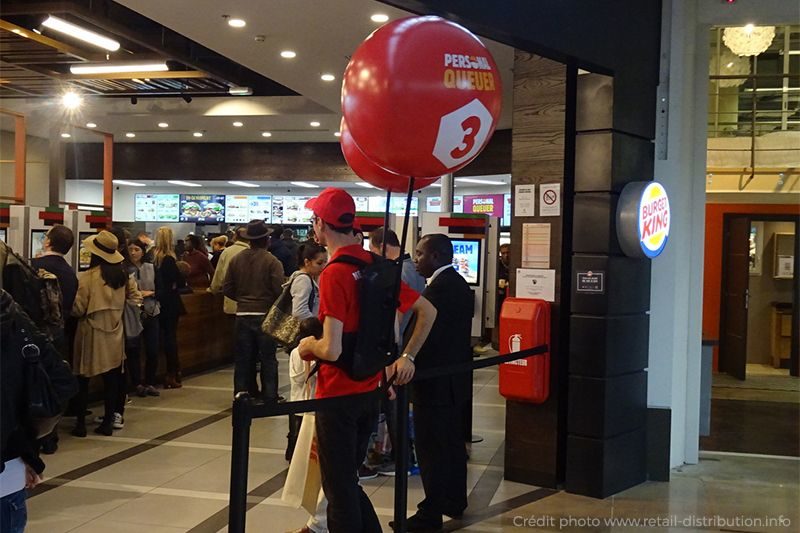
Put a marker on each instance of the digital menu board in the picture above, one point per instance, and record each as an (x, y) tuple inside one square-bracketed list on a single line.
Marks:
[(156, 207), (294, 210), (37, 242), (241, 209), (467, 259), (458, 204), (202, 208), (433, 204), (362, 203), (84, 255), (484, 204), (397, 206), (506, 210)]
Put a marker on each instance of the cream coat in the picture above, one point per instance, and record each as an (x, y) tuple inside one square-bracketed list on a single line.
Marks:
[(100, 340)]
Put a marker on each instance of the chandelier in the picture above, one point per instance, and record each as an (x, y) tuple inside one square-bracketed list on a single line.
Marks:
[(748, 40), (729, 64)]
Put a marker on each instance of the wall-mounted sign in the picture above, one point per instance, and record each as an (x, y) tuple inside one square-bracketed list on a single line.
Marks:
[(590, 281), (536, 283), (485, 204), (643, 218), (550, 200)]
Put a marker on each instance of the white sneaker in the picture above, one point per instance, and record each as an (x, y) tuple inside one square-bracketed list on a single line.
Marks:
[(118, 423)]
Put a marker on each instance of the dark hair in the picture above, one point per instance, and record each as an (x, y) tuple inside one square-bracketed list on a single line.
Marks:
[(308, 250), (311, 327), (113, 274), (275, 232), (122, 243), (441, 245), (288, 233), (259, 243), (378, 236), (61, 238), (197, 242), (139, 244), (343, 230)]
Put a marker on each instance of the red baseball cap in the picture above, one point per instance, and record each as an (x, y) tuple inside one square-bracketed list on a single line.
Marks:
[(335, 207)]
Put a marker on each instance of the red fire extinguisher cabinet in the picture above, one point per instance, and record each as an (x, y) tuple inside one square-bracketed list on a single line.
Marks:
[(525, 323)]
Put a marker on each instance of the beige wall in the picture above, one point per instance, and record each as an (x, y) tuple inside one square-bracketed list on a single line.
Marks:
[(764, 290), (38, 169)]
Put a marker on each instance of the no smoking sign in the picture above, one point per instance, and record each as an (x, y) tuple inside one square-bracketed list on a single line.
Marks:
[(550, 200)]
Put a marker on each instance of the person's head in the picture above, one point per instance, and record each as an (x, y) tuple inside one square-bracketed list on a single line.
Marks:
[(433, 252), (377, 238), (334, 214), (311, 327), (193, 242), (218, 243), (59, 239), (311, 258), (136, 251), (505, 253), (144, 237), (275, 233), (165, 244), (122, 240), (256, 232), (233, 236), (105, 254), (288, 234)]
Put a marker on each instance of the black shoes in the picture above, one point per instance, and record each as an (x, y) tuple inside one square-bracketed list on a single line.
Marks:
[(421, 524)]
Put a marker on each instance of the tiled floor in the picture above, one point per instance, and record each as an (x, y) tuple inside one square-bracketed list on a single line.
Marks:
[(168, 472)]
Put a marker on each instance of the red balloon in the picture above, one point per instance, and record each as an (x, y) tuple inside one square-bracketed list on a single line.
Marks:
[(372, 173), (421, 96)]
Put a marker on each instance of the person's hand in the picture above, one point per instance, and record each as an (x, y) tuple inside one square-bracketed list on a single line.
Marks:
[(145, 294), (31, 477), (404, 368), (306, 349)]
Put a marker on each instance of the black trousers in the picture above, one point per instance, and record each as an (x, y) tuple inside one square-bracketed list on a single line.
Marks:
[(168, 324), (342, 436), (442, 459), (111, 382), (133, 351)]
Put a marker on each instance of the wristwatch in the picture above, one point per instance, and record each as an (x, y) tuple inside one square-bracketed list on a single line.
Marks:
[(408, 356)]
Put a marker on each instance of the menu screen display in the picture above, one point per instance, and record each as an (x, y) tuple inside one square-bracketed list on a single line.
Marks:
[(241, 209), (156, 207), (466, 259), (294, 210), (37, 242), (506, 210), (202, 208), (362, 203), (397, 206), (433, 204), (84, 255)]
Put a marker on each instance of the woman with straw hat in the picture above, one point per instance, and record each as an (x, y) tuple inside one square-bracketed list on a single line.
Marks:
[(100, 340)]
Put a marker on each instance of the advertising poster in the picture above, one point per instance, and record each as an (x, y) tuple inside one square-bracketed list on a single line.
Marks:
[(237, 209), (433, 204), (156, 207), (397, 205), (37, 242), (202, 208), (466, 259), (488, 204), (277, 210), (458, 204)]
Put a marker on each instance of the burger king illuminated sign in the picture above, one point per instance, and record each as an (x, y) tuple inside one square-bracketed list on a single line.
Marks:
[(643, 218)]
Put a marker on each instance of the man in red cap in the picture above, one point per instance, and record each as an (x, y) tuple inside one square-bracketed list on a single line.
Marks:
[(343, 433)]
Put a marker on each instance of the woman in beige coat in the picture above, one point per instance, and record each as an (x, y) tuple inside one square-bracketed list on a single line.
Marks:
[(100, 339)]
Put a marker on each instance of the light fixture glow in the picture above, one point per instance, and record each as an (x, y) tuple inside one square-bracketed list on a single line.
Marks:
[(364, 184), (729, 65), (337, 134), (66, 135), (163, 125), (91, 125), (238, 124), (19, 32), (119, 67), (184, 183), (57, 24), (237, 23), (305, 184), (266, 134), (479, 181), (748, 28), (288, 54), (71, 100), (243, 184), (314, 124), (379, 17), (240, 91), (130, 135), (130, 183), (327, 77), (198, 134)]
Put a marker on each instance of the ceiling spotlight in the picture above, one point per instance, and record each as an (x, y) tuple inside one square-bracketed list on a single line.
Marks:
[(337, 134), (134, 100), (184, 183), (266, 134), (288, 54), (71, 100), (91, 125), (198, 134), (305, 184), (314, 124), (379, 17), (240, 91), (66, 135), (328, 77), (238, 124), (163, 125), (236, 23), (57, 24), (119, 67), (187, 99), (130, 135)]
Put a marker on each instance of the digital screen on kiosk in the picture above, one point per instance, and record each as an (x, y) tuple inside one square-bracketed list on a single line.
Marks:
[(3, 235), (202, 208), (156, 207), (467, 259), (84, 255), (37, 242)]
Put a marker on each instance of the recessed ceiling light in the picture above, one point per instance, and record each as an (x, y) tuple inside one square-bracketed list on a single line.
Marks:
[(237, 23), (337, 134), (238, 124), (314, 124), (57, 24), (288, 54), (119, 67), (71, 100), (130, 135), (243, 184), (379, 17), (184, 183), (328, 77), (266, 134), (305, 184), (480, 182), (163, 125), (91, 125), (129, 183), (66, 135), (198, 134)]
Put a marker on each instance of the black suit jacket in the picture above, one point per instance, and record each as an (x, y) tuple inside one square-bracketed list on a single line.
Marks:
[(449, 341)]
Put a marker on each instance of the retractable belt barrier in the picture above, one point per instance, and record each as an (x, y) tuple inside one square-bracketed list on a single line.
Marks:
[(245, 409)]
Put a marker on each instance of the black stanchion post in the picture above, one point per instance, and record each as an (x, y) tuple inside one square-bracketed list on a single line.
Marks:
[(401, 455), (240, 455)]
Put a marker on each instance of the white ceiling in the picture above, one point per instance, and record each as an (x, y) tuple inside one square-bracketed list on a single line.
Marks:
[(322, 33)]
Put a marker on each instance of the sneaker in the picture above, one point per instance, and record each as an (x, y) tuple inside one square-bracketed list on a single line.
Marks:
[(385, 469), (119, 421), (365, 472), (151, 391), (141, 391)]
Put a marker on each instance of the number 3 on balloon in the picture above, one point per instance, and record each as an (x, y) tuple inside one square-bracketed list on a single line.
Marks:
[(470, 126)]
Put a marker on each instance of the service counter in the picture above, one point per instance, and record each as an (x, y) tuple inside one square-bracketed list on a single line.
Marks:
[(205, 334)]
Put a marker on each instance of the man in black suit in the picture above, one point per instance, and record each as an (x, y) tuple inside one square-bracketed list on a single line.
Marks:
[(439, 402)]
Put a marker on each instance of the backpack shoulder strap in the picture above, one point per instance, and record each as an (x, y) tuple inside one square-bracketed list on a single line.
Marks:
[(349, 260)]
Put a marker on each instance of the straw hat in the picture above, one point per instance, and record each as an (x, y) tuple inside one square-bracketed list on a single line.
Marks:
[(104, 245)]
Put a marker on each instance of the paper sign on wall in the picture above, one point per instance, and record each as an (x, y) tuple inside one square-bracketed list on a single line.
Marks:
[(535, 246), (524, 200), (536, 283), (550, 200)]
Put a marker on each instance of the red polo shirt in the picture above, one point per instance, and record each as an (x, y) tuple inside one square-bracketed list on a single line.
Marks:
[(338, 298)]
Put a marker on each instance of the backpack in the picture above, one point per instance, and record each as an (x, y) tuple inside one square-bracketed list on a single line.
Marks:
[(38, 293), (373, 347)]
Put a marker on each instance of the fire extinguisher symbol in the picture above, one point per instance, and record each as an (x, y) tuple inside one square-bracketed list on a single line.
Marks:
[(514, 343)]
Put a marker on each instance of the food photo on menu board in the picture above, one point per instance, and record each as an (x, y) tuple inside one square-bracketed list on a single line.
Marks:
[(156, 207), (466, 259), (277, 210), (202, 208), (294, 210)]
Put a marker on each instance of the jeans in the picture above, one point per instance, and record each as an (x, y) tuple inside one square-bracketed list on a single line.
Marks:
[(251, 345), (342, 438), (13, 512)]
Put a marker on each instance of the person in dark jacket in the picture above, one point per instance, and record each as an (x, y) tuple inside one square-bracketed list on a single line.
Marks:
[(439, 402), (197, 256), (169, 299), (279, 249), (288, 239)]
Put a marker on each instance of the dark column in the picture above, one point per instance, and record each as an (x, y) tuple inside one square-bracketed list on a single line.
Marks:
[(609, 324)]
